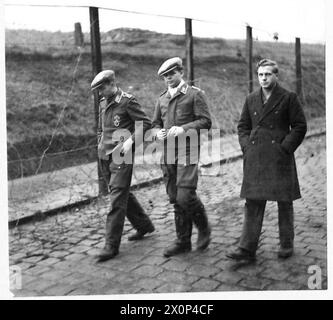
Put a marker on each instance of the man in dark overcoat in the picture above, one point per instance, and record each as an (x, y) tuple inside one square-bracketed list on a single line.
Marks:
[(271, 127)]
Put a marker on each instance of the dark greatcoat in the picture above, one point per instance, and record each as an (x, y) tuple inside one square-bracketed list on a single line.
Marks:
[(268, 137)]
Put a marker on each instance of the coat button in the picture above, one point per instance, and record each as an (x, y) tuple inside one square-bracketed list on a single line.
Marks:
[(276, 112), (271, 126), (255, 113), (252, 142), (273, 141)]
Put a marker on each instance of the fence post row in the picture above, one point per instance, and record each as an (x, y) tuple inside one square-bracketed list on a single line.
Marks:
[(97, 65), (96, 57), (249, 48), (189, 51), (299, 89)]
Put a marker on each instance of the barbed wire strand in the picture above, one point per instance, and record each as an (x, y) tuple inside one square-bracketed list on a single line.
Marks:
[(62, 111), (53, 154), (242, 23)]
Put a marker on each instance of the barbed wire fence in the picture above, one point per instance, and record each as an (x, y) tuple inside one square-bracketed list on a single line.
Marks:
[(51, 141)]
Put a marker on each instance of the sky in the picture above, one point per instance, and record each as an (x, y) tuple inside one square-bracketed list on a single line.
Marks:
[(212, 18)]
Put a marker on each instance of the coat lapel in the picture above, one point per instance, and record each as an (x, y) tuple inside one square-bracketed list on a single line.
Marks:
[(173, 103), (182, 89), (272, 102), (258, 103), (115, 99)]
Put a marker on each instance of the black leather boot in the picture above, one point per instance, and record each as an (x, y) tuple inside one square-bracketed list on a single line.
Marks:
[(177, 248), (241, 254), (200, 220), (183, 224), (108, 252), (141, 233)]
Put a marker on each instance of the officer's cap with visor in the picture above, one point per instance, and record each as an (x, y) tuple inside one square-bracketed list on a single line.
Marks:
[(101, 78), (169, 65)]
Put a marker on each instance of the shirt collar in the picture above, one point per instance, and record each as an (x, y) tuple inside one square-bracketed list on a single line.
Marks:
[(116, 97), (173, 91)]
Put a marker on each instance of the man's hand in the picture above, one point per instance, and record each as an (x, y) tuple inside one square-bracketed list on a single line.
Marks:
[(161, 134), (175, 131), (127, 145)]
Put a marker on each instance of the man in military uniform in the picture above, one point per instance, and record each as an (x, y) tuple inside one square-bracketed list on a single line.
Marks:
[(119, 113), (271, 127), (179, 110)]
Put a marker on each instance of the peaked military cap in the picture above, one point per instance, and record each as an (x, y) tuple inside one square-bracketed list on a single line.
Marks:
[(100, 78), (169, 65)]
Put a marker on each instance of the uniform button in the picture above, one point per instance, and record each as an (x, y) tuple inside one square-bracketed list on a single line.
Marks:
[(252, 142), (273, 141), (276, 112), (271, 126), (255, 113)]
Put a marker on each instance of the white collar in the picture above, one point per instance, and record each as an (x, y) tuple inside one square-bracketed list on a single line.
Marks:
[(173, 91)]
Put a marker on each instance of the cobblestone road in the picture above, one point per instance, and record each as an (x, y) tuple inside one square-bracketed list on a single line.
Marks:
[(56, 256)]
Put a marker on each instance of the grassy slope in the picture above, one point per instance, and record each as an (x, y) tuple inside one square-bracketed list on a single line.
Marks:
[(42, 82)]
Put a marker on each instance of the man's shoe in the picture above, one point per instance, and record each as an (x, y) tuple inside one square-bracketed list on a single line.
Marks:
[(140, 234), (241, 254), (285, 253), (203, 239), (177, 249), (107, 253)]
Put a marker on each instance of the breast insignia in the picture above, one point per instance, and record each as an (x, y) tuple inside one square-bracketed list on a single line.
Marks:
[(116, 120)]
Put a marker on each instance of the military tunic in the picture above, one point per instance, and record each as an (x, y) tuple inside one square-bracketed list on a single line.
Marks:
[(117, 119)]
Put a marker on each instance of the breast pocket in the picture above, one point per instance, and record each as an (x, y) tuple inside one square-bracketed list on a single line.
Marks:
[(121, 175), (184, 113)]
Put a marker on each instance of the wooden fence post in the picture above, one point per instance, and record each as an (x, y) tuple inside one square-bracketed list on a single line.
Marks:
[(249, 46), (189, 51), (96, 58), (299, 89), (78, 35)]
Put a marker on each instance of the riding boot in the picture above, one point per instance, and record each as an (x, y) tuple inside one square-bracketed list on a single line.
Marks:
[(183, 225), (200, 219)]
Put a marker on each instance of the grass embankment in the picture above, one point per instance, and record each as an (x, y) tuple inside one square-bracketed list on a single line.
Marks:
[(48, 85)]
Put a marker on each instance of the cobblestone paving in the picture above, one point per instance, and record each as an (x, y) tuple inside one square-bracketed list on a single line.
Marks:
[(56, 256)]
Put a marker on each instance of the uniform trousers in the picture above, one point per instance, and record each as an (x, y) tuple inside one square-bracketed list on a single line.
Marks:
[(181, 183), (123, 203), (253, 219)]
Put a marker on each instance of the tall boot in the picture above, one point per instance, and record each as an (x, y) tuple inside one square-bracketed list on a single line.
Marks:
[(108, 252), (200, 219), (183, 225)]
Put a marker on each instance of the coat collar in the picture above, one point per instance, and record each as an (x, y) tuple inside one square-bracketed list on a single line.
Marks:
[(116, 98), (181, 90), (276, 96)]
